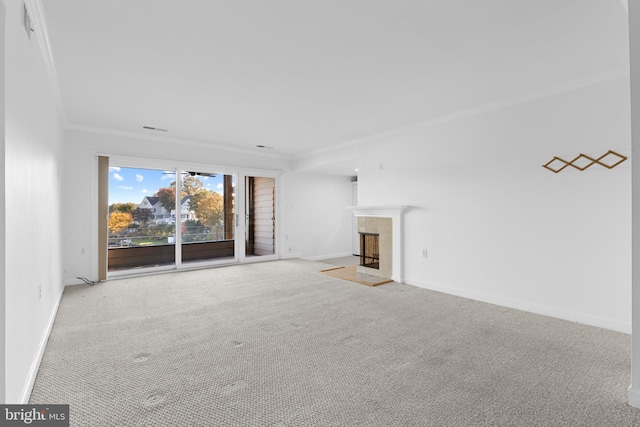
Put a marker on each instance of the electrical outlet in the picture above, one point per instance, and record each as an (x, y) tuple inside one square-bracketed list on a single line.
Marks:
[(424, 252)]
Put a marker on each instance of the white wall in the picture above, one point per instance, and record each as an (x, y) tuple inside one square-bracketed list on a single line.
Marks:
[(3, 320), (634, 47), (315, 223), (497, 226), (33, 163)]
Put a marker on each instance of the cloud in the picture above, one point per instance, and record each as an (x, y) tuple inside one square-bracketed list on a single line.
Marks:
[(118, 177), (220, 186), (139, 177), (168, 175), (122, 187), (114, 168), (144, 190)]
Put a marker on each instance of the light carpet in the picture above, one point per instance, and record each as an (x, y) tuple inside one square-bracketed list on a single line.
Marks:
[(279, 344)]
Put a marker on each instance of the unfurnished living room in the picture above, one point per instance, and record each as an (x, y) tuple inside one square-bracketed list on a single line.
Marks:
[(320, 213)]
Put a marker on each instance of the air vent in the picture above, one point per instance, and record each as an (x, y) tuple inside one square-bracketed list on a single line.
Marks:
[(154, 128), (26, 21)]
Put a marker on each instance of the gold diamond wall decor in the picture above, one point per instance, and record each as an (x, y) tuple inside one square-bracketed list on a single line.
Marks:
[(557, 164), (550, 163)]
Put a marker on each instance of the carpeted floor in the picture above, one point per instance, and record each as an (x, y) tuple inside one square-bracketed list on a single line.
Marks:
[(278, 344)]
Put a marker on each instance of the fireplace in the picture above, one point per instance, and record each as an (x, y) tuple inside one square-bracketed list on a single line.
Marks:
[(386, 223), (376, 251), (370, 250)]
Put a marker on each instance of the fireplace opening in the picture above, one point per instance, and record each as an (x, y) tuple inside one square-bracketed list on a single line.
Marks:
[(370, 250)]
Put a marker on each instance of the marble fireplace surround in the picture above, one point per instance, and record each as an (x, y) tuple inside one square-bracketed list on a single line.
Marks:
[(368, 221)]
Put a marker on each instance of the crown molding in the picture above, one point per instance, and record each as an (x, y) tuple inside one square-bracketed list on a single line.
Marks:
[(39, 23), (479, 109), (181, 141), (377, 211)]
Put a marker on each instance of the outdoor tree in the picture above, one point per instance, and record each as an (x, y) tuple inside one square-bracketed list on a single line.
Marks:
[(195, 199), (142, 215), (167, 197), (211, 209), (119, 221), (122, 207), (191, 185), (191, 230)]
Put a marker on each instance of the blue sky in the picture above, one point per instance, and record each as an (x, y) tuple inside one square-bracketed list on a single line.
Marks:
[(131, 184)]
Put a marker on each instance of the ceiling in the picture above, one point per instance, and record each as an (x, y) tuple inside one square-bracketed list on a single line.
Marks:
[(301, 76)]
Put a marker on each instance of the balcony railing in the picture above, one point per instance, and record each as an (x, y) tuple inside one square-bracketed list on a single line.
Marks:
[(146, 256), (163, 235)]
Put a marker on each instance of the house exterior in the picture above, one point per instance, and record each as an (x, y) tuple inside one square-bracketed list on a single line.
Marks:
[(162, 214), (158, 211), (185, 210)]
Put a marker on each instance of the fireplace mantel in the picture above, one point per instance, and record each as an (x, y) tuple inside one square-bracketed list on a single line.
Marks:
[(395, 213), (381, 211)]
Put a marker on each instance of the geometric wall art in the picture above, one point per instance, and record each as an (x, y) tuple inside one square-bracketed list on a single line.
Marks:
[(609, 160)]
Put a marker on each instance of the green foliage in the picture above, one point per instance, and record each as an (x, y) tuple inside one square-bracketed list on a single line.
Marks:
[(193, 231), (195, 200), (142, 215), (122, 207)]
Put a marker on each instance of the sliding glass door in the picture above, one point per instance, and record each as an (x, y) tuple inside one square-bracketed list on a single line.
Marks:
[(207, 217), (141, 230), (185, 217)]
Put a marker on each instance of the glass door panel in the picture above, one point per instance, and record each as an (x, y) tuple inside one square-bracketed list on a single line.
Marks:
[(141, 231), (184, 218), (260, 216), (207, 217)]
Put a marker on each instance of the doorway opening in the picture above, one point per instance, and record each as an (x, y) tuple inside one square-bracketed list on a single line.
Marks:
[(260, 229)]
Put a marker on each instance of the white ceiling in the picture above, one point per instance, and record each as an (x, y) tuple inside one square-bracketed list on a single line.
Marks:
[(300, 76)]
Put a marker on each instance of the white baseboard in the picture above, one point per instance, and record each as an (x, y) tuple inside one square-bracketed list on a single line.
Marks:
[(71, 282), (599, 322), (633, 397), (35, 365), (291, 255), (330, 256)]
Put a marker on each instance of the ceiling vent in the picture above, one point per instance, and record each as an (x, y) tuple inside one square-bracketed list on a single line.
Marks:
[(154, 128), (26, 21)]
